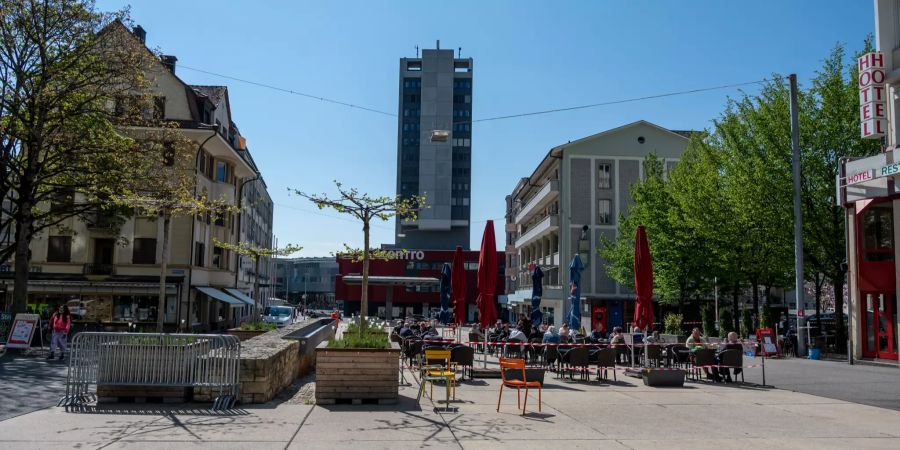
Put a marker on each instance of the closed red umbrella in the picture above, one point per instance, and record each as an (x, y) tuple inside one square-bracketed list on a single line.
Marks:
[(487, 277), (458, 286), (643, 280)]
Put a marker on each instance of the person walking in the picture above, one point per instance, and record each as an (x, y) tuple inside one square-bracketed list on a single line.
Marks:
[(60, 323)]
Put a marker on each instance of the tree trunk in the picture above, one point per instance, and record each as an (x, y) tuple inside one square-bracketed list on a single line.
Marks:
[(735, 311), (364, 299), (755, 304), (840, 335), (163, 268), (819, 280), (255, 312), (23, 258)]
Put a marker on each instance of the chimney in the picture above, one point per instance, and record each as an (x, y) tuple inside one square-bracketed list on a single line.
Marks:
[(169, 61), (140, 33)]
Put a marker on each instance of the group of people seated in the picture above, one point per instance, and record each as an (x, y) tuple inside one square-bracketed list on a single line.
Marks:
[(412, 329), (696, 342)]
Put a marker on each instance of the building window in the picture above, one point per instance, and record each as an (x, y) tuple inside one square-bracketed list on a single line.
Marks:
[(144, 251), (604, 212), (221, 172), (604, 176), (199, 254), (218, 260), (59, 249)]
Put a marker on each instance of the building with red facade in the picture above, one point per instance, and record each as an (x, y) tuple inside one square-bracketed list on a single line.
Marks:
[(409, 299)]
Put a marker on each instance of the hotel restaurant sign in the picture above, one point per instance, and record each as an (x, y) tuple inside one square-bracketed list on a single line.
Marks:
[(872, 106)]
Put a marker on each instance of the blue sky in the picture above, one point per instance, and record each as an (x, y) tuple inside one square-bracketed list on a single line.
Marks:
[(529, 56)]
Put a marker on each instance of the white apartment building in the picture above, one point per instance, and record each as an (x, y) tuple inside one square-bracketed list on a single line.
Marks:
[(109, 273), (573, 197)]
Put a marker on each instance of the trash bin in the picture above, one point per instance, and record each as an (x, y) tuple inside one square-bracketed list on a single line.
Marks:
[(814, 353)]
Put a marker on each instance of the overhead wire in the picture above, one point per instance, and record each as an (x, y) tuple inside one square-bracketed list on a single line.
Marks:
[(485, 119)]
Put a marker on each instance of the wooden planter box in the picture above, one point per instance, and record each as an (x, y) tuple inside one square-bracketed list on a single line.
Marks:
[(357, 374), (243, 335)]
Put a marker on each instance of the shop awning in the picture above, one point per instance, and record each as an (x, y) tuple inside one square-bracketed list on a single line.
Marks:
[(240, 296), (221, 296)]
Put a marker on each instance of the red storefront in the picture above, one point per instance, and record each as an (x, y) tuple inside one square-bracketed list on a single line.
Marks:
[(406, 300)]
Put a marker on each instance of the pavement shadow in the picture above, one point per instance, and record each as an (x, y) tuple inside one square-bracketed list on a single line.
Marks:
[(404, 404), (154, 410)]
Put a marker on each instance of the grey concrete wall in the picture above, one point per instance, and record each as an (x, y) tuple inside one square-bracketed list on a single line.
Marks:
[(603, 284), (580, 184)]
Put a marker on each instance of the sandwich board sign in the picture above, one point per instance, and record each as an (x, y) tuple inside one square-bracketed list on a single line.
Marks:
[(22, 330)]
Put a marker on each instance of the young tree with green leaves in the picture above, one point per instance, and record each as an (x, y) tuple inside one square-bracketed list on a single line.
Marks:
[(255, 253), (61, 70), (367, 208)]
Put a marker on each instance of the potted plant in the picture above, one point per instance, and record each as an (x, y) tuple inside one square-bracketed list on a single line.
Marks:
[(363, 365), (249, 330)]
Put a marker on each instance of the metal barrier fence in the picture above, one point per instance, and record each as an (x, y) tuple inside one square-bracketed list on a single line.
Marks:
[(210, 361)]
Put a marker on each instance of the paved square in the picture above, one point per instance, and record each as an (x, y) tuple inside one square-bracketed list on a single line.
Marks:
[(575, 414)]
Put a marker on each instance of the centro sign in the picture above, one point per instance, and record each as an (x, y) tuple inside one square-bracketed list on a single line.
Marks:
[(872, 114), (411, 256)]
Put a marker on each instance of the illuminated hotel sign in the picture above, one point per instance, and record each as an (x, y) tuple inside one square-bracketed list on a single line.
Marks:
[(872, 109)]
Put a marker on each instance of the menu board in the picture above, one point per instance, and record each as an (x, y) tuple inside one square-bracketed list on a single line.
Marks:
[(22, 330)]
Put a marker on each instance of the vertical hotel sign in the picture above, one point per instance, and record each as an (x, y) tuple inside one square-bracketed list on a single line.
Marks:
[(872, 114)]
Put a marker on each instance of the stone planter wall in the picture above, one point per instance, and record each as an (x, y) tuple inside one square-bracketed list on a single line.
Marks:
[(243, 335), (272, 361), (357, 374)]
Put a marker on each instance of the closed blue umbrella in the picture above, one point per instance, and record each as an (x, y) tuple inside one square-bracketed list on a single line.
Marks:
[(445, 294), (575, 269), (537, 291)]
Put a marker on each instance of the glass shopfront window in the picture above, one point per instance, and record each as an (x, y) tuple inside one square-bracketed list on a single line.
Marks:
[(135, 308)]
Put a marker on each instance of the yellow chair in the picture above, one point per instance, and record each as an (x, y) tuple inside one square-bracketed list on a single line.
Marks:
[(438, 367)]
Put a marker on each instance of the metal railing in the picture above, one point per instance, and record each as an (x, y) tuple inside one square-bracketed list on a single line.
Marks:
[(99, 269), (210, 361)]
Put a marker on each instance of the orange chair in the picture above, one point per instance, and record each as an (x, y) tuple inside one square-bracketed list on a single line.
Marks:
[(517, 364)]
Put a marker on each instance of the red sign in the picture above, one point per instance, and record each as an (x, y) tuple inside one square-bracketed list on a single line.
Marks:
[(801, 312), (861, 176), (872, 109), (768, 343)]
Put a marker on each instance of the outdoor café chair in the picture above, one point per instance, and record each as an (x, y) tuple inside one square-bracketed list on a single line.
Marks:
[(578, 359), (551, 355), (703, 357), (679, 354), (517, 364), (653, 354), (474, 338), (464, 357), (437, 367), (732, 359), (606, 359)]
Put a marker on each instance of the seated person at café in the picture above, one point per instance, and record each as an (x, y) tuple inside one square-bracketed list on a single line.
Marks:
[(653, 338), (564, 333), (476, 331), (517, 335), (406, 330), (731, 344), (596, 334), (551, 336), (617, 341), (695, 341)]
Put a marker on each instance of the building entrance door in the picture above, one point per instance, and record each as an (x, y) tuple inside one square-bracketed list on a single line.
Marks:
[(879, 322)]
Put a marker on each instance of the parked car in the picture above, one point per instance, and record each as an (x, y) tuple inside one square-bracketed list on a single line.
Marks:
[(281, 316)]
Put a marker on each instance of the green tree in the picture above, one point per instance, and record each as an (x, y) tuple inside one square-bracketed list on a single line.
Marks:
[(746, 323), (726, 324), (255, 253), (367, 208), (708, 319), (830, 129), (61, 69)]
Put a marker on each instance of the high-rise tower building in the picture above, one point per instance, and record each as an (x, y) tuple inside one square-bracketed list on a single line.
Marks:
[(434, 148)]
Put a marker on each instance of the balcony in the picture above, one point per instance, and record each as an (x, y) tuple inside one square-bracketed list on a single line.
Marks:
[(99, 269), (546, 226), (538, 201)]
